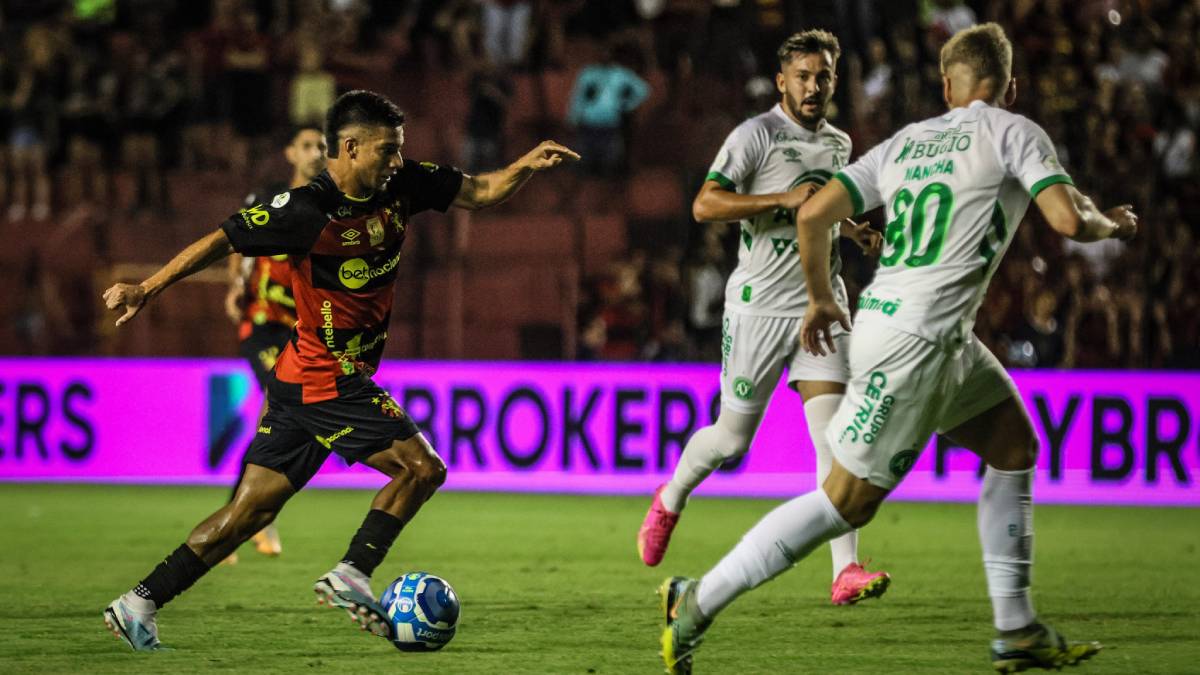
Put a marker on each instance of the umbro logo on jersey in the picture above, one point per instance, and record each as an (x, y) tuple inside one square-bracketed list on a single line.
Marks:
[(792, 154), (351, 237)]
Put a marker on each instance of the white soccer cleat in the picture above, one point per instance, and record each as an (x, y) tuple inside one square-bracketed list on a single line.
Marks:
[(343, 579), (127, 618)]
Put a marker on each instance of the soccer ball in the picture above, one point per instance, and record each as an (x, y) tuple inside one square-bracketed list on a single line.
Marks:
[(423, 610)]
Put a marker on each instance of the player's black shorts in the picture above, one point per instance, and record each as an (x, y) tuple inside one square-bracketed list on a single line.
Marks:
[(294, 439), (263, 348)]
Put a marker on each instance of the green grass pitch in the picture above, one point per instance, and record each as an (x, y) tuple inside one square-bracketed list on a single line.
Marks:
[(552, 584)]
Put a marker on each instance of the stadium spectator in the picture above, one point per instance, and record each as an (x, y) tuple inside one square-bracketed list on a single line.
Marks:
[(490, 90), (313, 89), (706, 293), (604, 94), (33, 109), (88, 113), (247, 82), (152, 93), (506, 31)]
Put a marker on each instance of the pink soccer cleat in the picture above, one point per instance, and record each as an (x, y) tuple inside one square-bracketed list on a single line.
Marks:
[(656, 530), (855, 583)]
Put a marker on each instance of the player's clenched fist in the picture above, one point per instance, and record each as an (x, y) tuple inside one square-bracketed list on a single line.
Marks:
[(130, 297), (548, 154), (1126, 220)]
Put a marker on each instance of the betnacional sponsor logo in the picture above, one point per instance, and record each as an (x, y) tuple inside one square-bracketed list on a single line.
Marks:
[(356, 272)]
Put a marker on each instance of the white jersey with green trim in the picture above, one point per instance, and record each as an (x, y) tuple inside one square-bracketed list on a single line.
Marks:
[(766, 154), (955, 187)]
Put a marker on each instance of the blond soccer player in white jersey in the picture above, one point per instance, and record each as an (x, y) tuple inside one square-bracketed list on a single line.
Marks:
[(955, 187), (766, 168)]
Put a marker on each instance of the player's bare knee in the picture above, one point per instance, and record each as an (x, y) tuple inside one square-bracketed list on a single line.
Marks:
[(1019, 455), (430, 472), (856, 511)]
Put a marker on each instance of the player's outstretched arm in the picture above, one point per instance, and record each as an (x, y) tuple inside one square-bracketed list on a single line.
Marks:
[(489, 189), (830, 205), (716, 203), (1073, 215), (130, 298)]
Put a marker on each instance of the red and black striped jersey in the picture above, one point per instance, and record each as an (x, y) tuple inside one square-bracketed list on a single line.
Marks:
[(343, 252), (267, 281), (268, 296)]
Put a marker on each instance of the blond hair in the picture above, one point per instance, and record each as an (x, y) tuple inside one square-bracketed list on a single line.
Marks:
[(984, 49)]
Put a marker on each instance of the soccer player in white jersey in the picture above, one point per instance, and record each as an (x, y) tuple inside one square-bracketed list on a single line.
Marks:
[(767, 167), (954, 187)]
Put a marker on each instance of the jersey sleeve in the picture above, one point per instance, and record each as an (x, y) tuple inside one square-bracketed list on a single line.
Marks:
[(861, 179), (288, 224), (1028, 155), (739, 157), (427, 185)]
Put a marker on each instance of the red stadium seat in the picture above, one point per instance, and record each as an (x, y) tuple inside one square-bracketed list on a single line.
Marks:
[(521, 237), (655, 194)]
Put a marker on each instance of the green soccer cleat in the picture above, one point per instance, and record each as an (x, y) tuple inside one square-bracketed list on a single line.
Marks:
[(685, 625), (1039, 646)]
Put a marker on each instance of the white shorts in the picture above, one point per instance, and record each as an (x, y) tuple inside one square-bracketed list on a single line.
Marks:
[(754, 351), (902, 389)]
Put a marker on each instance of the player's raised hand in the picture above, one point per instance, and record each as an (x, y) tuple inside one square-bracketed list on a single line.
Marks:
[(548, 154), (817, 331), (1126, 220), (129, 297), (867, 238)]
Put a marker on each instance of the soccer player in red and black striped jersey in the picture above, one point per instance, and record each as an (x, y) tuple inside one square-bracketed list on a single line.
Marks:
[(260, 298), (344, 232)]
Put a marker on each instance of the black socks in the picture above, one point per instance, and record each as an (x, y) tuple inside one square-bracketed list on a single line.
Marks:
[(172, 576), (372, 541)]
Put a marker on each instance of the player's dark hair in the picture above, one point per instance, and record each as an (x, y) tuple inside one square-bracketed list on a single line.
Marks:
[(359, 107), (812, 41)]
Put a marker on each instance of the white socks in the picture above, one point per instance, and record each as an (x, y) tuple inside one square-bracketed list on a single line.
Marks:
[(1006, 536), (818, 411), (708, 448), (781, 539)]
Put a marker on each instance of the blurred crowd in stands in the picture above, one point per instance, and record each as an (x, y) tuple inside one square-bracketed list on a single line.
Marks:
[(103, 101)]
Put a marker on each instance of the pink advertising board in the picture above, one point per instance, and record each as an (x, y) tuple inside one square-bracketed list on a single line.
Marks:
[(1107, 437)]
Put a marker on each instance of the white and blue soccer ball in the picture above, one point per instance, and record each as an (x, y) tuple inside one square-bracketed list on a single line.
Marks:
[(423, 610)]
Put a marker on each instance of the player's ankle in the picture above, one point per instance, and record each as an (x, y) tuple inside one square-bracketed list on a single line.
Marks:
[(1025, 631), (139, 604), (350, 570)]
